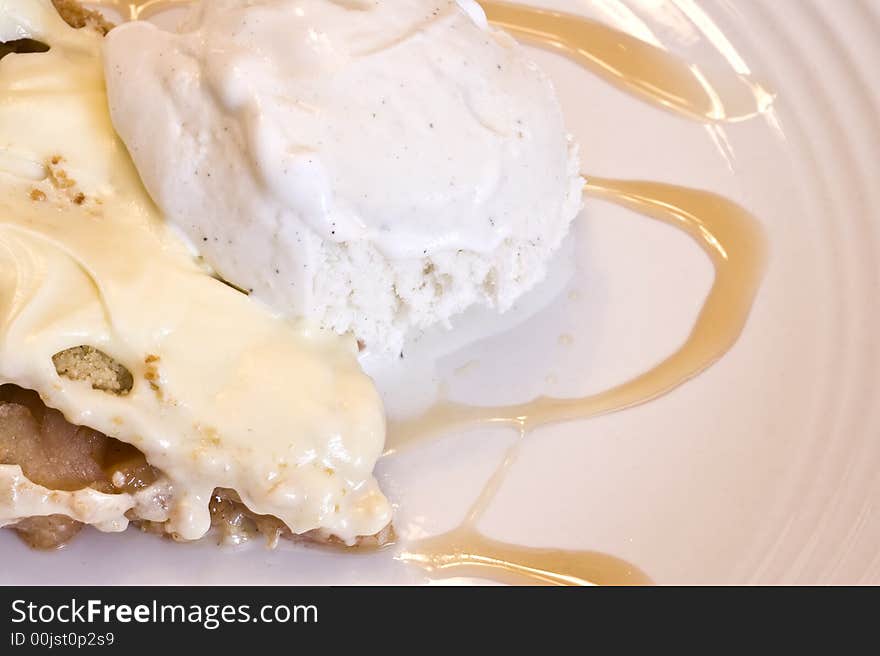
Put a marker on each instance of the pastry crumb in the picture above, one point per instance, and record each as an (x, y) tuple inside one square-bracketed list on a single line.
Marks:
[(95, 367), (77, 16), (61, 181), (152, 376)]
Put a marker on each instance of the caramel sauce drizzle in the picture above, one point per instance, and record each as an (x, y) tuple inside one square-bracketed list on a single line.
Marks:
[(725, 231), (465, 551), (142, 9), (735, 242), (637, 67)]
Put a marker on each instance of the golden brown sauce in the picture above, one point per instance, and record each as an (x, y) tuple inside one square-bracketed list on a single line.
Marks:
[(466, 552), (734, 241), (143, 9), (633, 65), (729, 235)]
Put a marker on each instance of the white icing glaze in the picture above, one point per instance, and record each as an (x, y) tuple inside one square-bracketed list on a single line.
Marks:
[(225, 394)]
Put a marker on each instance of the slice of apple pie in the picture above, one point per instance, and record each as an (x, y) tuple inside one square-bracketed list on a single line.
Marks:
[(136, 386)]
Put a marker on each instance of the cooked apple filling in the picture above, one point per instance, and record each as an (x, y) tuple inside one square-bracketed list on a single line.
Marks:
[(58, 455)]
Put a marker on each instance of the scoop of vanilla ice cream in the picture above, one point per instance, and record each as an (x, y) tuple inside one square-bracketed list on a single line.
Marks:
[(377, 166)]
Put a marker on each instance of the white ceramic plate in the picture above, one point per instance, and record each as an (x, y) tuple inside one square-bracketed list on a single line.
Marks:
[(764, 469)]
